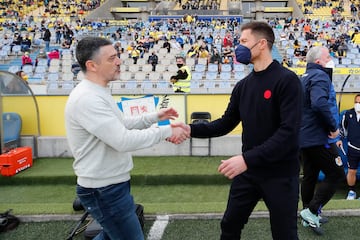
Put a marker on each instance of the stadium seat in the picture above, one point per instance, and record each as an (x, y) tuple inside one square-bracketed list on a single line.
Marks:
[(213, 67), (140, 76), (134, 68), (3, 55), (200, 68), (196, 76), (173, 68), (53, 77), (239, 75), (125, 76), (154, 76), (239, 68), (211, 75), (67, 76), (14, 68), (16, 49), (147, 68), (167, 75), (225, 67), (226, 76), (28, 69)]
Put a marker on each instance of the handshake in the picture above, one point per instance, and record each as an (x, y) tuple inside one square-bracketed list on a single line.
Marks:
[(180, 132)]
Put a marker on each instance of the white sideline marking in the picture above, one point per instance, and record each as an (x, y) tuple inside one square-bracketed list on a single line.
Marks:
[(158, 228)]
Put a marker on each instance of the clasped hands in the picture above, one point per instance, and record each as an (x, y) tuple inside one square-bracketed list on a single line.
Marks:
[(180, 131)]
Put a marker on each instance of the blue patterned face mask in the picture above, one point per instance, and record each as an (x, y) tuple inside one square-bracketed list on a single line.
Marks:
[(243, 54)]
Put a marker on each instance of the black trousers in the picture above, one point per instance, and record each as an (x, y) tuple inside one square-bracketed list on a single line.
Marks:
[(326, 159), (281, 196)]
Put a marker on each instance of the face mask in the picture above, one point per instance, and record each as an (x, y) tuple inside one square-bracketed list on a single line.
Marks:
[(330, 64), (357, 107), (179, 65), (243, 54)]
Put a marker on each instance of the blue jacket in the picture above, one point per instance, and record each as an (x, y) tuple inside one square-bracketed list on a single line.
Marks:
[(320, 114)]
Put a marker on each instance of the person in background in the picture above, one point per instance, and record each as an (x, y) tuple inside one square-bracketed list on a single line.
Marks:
[(46, 38), (23, 76), (182, 80), (153, 60), (101, 139), (319, 130), (26, 59), (350, 128)]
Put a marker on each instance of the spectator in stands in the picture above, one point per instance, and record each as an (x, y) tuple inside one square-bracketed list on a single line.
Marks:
[(6, 41), (26, 59), (228, 40), (319, 130), (66, 44), (90, 115), (355, 38), (47, 38), (153, 60), (304, 52), (167, 45), (26, 43), (23, 76), (17, 40), (263, 170), (58, 33), (41, 55), (215, 58), (119, 49), (286, 62), (141, 49), (75, 68), (203, 53), (301, 63), (297, 52), (181, 81), (341, 51), (350, 128), (228, 56), (135, 54)]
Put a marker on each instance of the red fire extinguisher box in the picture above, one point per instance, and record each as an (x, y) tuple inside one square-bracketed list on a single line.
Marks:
[(15, 161)]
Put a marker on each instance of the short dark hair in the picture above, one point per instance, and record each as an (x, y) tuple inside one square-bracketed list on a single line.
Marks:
[(89, 47), (261, 30)]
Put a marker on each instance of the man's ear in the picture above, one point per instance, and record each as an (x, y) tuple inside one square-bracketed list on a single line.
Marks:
[(90, 65)]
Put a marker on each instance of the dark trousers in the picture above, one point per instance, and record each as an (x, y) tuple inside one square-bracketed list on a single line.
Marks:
[(326, 159), (281, 196)]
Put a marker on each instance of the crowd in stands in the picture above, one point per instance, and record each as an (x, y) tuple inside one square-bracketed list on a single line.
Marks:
[(205, 42)]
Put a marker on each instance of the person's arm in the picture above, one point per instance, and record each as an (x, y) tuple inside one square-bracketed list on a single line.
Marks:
[(180, 75), (222, 126), (319, 95), (105, 122)]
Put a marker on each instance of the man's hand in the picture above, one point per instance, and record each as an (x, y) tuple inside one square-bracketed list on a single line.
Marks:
[(167, 113), (180, 132), (333, 135), (233, 166), (339, 144)]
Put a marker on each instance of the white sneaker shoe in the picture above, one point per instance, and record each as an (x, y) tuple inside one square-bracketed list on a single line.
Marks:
[(351, 195)]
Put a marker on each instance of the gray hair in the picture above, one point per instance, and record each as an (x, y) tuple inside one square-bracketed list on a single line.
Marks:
[(314, 54)]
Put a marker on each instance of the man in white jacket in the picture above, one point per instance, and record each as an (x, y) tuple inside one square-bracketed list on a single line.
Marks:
[(101, 139)]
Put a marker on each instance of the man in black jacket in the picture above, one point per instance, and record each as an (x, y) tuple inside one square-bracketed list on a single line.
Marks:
[(268, 103)]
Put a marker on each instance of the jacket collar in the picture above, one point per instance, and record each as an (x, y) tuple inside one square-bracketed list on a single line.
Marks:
[(328, 71)]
